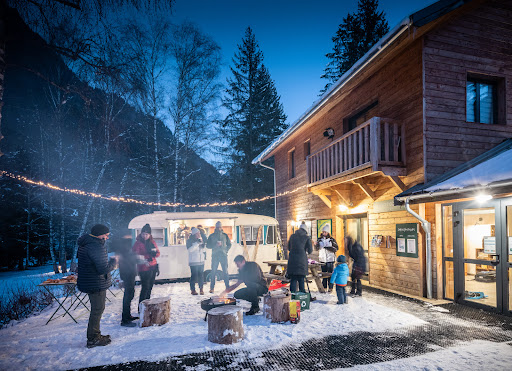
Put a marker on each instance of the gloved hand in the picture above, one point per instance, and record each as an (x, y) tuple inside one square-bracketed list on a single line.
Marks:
[(157, 270), (153, 253)]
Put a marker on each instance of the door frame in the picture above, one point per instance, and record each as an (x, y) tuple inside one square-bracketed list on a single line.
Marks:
[(501, 249)]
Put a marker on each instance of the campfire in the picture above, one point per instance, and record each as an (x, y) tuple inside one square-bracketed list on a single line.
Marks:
[(215, 302)]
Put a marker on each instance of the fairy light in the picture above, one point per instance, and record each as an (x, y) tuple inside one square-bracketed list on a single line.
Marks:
[(47, 185)]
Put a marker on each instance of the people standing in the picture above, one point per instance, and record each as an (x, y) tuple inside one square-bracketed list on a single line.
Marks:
[(148, 251), (251, 275), (220, 244), (356, 252), (340, 278), (299, 246), (196, 258), (94, 278), (127, 271), (327, 247)]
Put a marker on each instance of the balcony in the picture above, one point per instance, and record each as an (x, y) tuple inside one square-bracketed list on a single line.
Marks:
[(378, 145)]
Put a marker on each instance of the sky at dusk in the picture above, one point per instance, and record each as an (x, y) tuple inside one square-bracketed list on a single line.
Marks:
[(294, 36)]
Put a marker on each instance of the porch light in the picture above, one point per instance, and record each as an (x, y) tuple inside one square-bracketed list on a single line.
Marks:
[(483, 197), (343, 208)]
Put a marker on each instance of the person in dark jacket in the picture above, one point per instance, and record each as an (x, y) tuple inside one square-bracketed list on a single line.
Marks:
[(147, 251), (251, 275), (127, 271), (220, 244), (356, 252), (327, 247), (196, 258), (299, 246), (94, 279)]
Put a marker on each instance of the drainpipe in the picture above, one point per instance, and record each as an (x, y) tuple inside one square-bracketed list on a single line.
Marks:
[(275, 192), (427, 228)]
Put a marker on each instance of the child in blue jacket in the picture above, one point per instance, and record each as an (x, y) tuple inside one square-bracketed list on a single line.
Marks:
[(340, 278)]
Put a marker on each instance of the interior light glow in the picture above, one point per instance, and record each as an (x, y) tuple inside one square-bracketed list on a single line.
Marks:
[(483, 197)]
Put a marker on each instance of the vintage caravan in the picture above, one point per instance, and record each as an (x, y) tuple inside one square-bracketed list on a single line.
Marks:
[(255, 236)]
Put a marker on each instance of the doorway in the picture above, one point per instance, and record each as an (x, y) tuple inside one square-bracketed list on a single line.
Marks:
[(356, 226), (479, 263)]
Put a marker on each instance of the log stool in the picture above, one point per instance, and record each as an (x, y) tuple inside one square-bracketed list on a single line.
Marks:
[(225, 325), (276, 305), (154, 311)]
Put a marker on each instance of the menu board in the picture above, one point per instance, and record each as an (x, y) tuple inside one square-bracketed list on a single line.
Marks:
[(407, 240)]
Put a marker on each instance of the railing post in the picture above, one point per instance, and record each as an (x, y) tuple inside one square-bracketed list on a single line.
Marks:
[(375, 143)]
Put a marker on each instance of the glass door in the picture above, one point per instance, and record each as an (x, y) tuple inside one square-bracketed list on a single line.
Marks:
[(357, 227), (506, 212), (478, 254)]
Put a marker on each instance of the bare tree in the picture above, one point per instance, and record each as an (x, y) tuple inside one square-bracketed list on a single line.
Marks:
[(197, 61)]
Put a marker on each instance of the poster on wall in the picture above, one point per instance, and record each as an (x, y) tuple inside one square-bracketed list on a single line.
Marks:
[(407, 240), (320, 224), (489, 243)]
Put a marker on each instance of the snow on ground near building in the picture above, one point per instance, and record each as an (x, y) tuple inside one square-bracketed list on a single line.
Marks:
[(30, 344), (475, 355)]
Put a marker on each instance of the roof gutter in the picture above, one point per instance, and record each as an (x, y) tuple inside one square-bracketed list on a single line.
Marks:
[(375, 51), (430, 196)]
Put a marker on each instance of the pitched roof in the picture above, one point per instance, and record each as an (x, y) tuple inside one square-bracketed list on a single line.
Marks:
[(492, 169), (417, 19)]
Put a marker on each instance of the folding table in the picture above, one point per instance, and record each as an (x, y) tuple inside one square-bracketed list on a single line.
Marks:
[(72, 297)]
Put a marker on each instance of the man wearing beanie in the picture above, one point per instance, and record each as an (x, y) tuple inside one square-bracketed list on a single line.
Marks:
[(299, 246), (220, 244), (94, 279), (145, 247)]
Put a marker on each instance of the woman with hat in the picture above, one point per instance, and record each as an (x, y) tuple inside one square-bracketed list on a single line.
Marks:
[(327, 248), (147, 250)]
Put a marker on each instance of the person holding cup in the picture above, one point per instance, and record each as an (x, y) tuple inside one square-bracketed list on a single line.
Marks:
[(146, 249), (220, 244)]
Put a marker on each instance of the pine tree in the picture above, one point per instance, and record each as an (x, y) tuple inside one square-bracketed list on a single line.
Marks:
[(255, 117), (355, 36)]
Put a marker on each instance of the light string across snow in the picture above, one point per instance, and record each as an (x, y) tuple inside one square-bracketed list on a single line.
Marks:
[(24, 179)]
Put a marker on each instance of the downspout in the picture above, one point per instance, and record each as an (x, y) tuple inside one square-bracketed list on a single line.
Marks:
[(275, 192), (427, 228)]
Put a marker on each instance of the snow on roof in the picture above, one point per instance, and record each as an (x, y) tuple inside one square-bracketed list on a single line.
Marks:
[(494, 170)]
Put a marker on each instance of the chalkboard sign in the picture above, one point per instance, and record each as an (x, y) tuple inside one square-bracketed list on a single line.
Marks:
[(407, 240)]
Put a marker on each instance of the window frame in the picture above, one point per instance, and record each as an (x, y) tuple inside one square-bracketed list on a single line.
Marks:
[(291, 164), (307, 148), (499, 97)]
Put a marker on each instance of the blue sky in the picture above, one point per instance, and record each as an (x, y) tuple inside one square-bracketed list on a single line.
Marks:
[(294, 36)]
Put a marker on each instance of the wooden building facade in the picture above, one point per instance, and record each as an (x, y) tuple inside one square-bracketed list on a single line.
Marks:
[(434, 93)]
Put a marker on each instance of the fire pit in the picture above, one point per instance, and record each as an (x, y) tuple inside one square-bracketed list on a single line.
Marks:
[(215, 302)]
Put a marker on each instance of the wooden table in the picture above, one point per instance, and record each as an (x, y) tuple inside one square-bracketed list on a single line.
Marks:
[(315, 270)]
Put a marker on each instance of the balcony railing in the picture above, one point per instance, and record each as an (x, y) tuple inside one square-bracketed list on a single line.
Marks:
[(378, 143)]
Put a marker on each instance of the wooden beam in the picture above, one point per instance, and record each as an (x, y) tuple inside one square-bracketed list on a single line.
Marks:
[(366, 189), (345, 200), (397, 182), (326, 200)]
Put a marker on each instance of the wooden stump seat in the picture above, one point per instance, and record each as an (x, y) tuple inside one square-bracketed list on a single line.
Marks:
[(225, 324), (276, 305), (154, 311)]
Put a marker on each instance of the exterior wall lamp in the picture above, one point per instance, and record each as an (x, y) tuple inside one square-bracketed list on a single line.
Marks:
[(329, 133)]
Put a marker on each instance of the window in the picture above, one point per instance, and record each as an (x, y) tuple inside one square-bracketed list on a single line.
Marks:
[(291, 164), (481, 101), (361, 117), (271, 235), (307, 148), (251, 233)]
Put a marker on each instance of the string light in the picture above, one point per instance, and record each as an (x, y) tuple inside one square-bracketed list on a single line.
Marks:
[(24, 179)]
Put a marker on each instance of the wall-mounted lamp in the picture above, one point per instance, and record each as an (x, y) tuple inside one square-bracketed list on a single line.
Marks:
[(343, 208), (329, 133), (483, 198)]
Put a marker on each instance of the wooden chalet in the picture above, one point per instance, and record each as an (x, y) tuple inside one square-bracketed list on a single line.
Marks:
[(431, 95)]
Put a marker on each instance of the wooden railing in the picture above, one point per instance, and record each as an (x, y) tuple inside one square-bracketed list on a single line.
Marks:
[(377, 143)]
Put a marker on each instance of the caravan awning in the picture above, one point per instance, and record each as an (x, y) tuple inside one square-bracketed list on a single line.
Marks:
[(489, 173)]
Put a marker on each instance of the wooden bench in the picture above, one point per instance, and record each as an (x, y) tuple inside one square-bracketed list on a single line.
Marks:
[(269, 277)]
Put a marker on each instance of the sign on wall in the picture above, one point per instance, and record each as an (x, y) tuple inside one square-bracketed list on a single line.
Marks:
[(320, 224), (407, 240)]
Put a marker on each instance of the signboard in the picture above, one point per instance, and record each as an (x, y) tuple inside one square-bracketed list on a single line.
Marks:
[(407, 240), (320, 224), (489, 245), (386, 206)]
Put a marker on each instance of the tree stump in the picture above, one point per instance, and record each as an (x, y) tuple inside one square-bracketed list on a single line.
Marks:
[(154, 311), (276, 306), (225, 325)]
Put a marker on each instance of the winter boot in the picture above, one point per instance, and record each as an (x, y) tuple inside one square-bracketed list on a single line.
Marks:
[(201, 292), (100, 341), (133, 318), (211, 291), (128, 324), (253, 311), (194, 292)]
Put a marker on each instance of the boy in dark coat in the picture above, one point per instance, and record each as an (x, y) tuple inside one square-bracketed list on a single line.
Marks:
[(94, 279), (356, 252), (251, 275), (299, 246)]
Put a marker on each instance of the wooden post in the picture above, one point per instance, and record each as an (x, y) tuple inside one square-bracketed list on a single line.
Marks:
[(225, 325), (276, 305), (375, 142), (154, 311)]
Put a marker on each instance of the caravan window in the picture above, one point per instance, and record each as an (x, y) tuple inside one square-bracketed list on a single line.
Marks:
[(251, 234), (271, 235)]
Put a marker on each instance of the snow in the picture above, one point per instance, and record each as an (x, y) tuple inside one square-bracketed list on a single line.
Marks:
[(496, 169), (474, 355), (30, 344)]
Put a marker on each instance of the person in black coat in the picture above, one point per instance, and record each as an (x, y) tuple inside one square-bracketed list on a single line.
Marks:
[(356, 252), (249, 273), (299, 246), (94, 279), (122, 245)]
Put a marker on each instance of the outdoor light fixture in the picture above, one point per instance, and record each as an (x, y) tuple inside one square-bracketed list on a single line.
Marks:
[(343, 208), (329, 133), (483, 197)]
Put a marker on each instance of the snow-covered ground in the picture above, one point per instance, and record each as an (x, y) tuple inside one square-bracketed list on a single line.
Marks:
[(30, 344)]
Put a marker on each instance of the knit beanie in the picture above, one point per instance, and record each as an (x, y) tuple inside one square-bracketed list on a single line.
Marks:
[(326, 228), (303, 226), (99, 229), (341, 259), (146, 229), (194, 230), (218, 224)]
